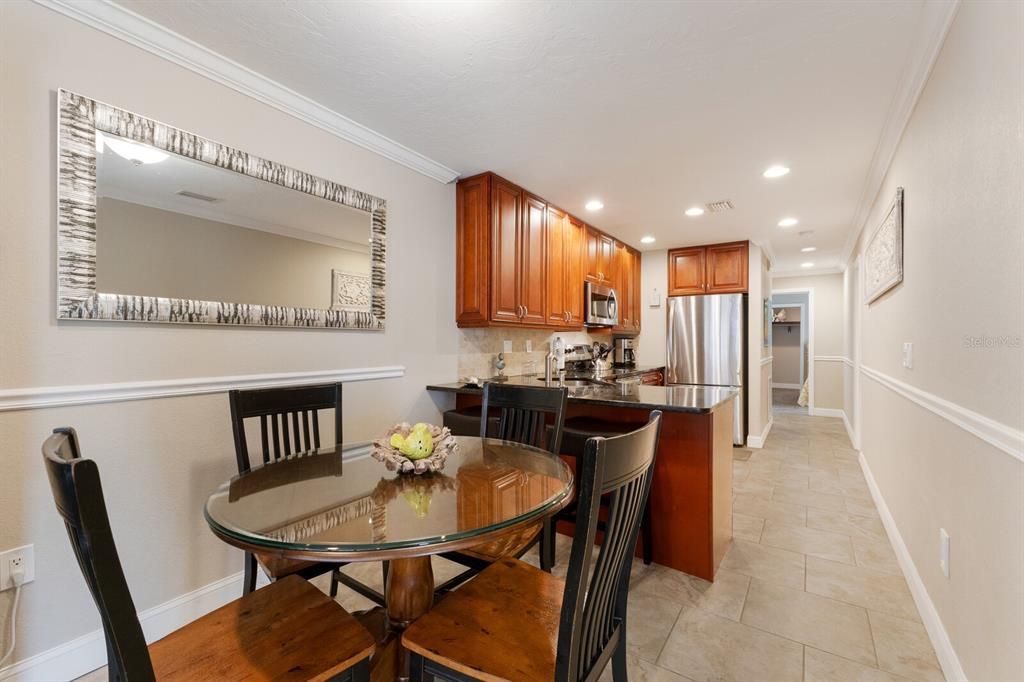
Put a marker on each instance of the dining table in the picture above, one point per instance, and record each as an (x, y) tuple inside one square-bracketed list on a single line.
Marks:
[(327, 505)]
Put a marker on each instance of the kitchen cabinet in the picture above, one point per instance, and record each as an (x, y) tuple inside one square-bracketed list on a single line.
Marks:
[(506, 252), (564, 290), (522, 262), (712, 269), (532, 275), (627, 284), (601, 257)]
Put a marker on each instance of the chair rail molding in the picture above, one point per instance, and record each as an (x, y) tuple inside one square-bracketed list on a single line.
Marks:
[(1001, 436), (85, 394), (767, 361), (150, 36), (833, 358)]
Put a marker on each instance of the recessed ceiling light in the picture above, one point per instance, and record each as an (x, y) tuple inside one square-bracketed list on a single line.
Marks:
[(694, 211), (776, 172), (594, 205), (807, 265), (647, 240), (788, 222), (809, 249)]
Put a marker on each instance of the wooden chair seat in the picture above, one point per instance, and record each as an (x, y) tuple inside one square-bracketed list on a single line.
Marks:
[(502, 625), (288, 630)]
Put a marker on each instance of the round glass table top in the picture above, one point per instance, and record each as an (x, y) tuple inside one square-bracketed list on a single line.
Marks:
[(318, 502)]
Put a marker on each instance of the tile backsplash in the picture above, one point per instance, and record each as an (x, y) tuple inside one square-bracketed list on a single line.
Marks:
[(478, 348)]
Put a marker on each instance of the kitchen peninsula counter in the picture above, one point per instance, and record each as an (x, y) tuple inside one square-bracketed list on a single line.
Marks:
[(691, 492)]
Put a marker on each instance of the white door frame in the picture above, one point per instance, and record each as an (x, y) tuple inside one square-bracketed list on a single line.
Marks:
[(802, 327), (810, 337)]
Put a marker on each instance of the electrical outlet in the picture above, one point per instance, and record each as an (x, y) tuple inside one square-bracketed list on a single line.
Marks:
[(506, 346), (908, 355), (944, 551), (19, 557), (529, 346)]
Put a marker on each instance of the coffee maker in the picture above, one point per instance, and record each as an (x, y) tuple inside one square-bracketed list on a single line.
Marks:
[(625, 354)]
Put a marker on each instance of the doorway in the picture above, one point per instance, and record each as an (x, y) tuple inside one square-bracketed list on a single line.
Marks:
[(792, 359)]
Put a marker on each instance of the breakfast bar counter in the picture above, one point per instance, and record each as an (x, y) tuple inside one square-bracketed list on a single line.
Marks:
[(691, 492)]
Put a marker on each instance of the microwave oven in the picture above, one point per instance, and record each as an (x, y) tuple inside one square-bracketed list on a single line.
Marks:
[(600, 305)]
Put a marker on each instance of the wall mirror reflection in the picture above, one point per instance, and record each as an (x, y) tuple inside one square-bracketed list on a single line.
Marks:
[(177, 228)]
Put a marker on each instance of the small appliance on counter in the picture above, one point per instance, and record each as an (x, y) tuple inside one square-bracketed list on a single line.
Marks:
[(625, 353)]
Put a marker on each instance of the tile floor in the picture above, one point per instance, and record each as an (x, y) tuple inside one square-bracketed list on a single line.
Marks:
[(785, 400), (810, 589)]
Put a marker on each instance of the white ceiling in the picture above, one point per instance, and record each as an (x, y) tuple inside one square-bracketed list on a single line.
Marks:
[(650, 106)]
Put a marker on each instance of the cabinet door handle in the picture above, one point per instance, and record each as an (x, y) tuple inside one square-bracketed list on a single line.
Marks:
[(522, 311)]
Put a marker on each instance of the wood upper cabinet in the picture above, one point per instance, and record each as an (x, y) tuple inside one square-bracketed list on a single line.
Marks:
[(727, 268), (519, 261), (574, 245), (506, 251), (600, 257), (472, 251), (628, 287), (686, 271), (564, 291), (532, 274), (713, 269)]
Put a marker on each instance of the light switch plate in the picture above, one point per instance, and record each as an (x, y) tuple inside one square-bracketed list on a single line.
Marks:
[(506, 346), (908, 354), (654, 299), (529, 346)]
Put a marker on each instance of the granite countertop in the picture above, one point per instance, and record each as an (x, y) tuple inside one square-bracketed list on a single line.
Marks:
[(699, 399)]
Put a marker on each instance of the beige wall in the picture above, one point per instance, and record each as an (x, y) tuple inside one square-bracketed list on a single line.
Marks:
[(786, 350), (961, 162), (760, 366), (160, 458), (827, 319), (653, 336), (148, 251)]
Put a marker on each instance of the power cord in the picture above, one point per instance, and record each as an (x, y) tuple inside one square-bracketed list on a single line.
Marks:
[(17, 576)]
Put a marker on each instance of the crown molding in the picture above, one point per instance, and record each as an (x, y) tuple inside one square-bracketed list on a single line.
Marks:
[(937, 17), (143, 33)]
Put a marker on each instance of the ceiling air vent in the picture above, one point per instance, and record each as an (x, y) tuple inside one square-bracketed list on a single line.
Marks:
[(197, 197), (719, 206)]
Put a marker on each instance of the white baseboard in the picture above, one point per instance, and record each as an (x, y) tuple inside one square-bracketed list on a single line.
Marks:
[(944, 651), (758, 441), (849, 431), (793, 386), (826, 412), (87, 653)]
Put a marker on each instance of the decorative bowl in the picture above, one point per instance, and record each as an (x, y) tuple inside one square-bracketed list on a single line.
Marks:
[(443, 445)]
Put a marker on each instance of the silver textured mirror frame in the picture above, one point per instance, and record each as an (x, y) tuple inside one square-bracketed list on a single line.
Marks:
[(77, 299)]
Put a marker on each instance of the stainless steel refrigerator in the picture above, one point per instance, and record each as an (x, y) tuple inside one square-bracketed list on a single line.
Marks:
[(707, 342)]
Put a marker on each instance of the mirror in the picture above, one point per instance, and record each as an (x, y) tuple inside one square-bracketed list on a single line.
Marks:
[(160, 225)]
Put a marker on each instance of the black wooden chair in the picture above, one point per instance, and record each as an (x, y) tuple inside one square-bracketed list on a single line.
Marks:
[(288, 630), (289, 426), (516, 622), (530, 415), (577, 431)]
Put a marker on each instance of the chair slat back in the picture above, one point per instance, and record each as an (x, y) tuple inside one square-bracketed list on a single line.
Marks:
[(289, 420), (523, 414), (77, 492), (594, 605)]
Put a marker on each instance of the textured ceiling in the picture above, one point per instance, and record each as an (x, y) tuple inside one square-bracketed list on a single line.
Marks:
[(650, 106)]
